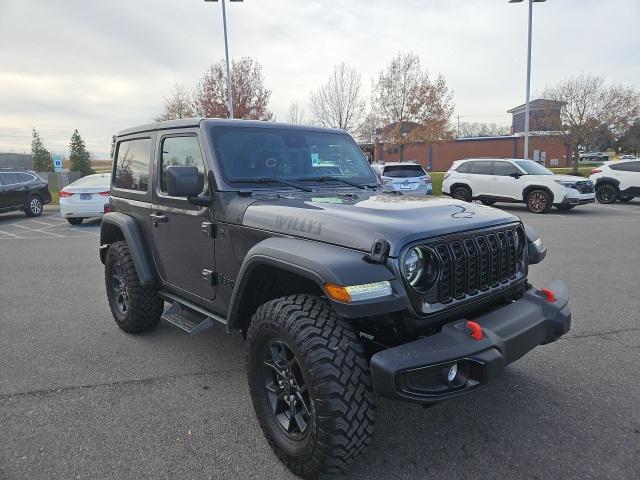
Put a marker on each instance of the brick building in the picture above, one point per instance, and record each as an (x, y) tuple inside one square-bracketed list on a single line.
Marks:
[(546, 143)]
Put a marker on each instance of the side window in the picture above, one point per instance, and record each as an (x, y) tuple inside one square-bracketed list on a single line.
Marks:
[(631, 166), (464, 168), (9, 178), (504, 169), (25, 177), (481, 167), (616, 166), (181, 151), (132, 164)]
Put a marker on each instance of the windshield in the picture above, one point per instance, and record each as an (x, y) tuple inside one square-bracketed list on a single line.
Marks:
[(533, 168), (403, 171), (250, 154)]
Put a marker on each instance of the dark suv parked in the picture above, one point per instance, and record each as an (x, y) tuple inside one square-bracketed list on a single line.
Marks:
[(284, 233), (23, 190)]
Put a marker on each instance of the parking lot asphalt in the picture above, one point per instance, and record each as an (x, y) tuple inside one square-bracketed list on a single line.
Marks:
[(79, 398)]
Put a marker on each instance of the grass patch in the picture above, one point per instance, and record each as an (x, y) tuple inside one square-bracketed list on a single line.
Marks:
[(55, 198), (437, 179), (584, 171)]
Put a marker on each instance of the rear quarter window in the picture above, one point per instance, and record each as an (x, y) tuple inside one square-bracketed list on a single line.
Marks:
[(464, 168), (133, 158)]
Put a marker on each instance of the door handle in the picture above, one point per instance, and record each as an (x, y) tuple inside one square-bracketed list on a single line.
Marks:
[(158, 218)]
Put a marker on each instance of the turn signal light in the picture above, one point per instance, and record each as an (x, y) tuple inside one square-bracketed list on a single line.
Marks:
[(355, 293), (65, 194)]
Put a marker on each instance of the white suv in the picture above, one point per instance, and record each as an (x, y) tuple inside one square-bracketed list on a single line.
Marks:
[(514, 180), (617, 181)]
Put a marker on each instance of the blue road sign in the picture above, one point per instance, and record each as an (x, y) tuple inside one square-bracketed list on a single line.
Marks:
[(57, 162)]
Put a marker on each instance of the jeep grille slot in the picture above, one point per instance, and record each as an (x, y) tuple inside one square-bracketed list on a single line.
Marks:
[(473, 263)]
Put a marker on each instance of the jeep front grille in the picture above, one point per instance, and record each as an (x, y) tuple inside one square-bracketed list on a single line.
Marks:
[(474, 263)]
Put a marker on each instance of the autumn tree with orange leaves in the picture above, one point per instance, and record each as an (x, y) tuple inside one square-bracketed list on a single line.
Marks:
[(250, 96)]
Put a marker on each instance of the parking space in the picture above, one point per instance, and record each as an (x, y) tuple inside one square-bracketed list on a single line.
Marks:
[(79, 398), (16, 226)]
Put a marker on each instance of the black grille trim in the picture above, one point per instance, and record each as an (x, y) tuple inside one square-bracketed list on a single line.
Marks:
[(474, 263)]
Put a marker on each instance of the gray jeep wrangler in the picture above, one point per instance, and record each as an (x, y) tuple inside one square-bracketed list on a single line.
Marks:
[(284, 233)]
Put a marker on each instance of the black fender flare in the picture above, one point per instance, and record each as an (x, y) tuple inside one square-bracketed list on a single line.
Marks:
[(320, 263), (609, 180), (529, 188), (118, 226)]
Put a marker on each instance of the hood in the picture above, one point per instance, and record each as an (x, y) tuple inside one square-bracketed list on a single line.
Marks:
[(356, 220), (570, 178)]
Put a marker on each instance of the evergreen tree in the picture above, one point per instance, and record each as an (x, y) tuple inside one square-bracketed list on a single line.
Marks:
[(79, 157), (42, 161)]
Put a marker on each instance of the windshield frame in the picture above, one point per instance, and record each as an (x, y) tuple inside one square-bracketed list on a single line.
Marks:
[(225, 182), (519, 162)]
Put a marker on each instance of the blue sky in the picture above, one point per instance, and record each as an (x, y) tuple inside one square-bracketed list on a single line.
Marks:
[(103, 66)]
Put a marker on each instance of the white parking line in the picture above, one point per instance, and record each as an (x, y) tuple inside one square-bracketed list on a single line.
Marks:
[(11, 234), (624, 210)]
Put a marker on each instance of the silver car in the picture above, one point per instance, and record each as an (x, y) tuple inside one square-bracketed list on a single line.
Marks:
[(405, 177)]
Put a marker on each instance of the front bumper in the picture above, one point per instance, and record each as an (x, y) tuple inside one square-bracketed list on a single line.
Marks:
[(579, 199), (417, 371)]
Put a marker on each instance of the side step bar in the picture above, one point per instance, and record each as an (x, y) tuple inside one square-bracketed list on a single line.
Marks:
[(187, 317)]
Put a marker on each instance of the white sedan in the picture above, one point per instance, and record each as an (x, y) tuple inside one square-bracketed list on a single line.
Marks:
[(85, 198)]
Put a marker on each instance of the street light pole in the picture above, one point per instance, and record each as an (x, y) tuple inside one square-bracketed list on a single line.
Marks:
[(226, 54), (527, 106)]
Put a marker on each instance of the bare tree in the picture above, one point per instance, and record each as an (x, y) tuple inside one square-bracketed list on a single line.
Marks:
[(296, 114), (250, 97), (413, 107), (593, 109), (479, 129), (178, 104), (339, 103)]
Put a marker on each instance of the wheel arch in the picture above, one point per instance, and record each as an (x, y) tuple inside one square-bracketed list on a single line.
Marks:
[(279, 267), (529, 188), (120, 227), (608, 180)]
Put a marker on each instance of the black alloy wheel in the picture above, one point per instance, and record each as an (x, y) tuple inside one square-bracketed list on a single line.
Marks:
[(286, 389), (606, 193), (462, 193), (119, 288)]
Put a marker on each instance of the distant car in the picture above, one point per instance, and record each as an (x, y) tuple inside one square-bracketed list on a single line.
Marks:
[(85, 198), (405, 177), (617, 181), (23, 190), (628, 157), (594, 157), (515, 180)]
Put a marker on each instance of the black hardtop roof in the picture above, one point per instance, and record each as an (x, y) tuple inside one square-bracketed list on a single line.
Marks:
[(224, 122)]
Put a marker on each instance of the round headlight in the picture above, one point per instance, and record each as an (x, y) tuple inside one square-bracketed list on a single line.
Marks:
[(413, 265)]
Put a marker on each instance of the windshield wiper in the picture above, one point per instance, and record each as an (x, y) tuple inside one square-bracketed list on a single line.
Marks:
[(271, 180), (328, 178)]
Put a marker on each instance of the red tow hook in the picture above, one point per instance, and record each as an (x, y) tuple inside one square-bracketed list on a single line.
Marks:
[(548, 294), (476, 330)]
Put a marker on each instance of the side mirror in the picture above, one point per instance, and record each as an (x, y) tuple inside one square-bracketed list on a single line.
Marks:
[(515, 175), (182, 181)]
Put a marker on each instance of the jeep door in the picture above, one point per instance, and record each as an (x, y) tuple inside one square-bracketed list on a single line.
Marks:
[(183, 246)]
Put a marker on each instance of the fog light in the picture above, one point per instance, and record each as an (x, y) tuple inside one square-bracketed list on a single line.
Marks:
[(453, 371)]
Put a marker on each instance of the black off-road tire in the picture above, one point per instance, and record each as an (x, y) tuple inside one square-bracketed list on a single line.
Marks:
[(565, 207), (462, 193), (75, 220), (335, 370), (34, 206), (606, 193), (539, 201), (143, 305), (488, 202)]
